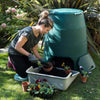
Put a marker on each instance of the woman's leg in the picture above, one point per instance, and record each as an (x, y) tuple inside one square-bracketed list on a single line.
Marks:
[(21, 64)]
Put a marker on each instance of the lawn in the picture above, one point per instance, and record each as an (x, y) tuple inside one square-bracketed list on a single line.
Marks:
[(12, 90)]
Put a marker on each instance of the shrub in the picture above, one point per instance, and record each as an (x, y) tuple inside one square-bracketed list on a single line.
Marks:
[(10, 22), (5, 33)]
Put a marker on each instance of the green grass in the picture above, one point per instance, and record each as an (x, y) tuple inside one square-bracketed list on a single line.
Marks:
[(12, 90)]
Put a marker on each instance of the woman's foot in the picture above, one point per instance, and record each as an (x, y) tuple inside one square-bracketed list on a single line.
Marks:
[(18, 78)]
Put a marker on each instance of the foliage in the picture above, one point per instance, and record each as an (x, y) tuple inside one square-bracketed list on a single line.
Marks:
[(11, 19), (12, 16), (6, 3), (83, 72), (5, 33), (93, 33), (93, 22), (66, 67), (33, 7), (41, 88)]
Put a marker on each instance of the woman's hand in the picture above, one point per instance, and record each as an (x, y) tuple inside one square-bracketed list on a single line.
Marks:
[(32, 58)]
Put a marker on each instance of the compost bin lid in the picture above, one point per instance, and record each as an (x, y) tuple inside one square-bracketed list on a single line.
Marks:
[(66, 11), (87, 62)]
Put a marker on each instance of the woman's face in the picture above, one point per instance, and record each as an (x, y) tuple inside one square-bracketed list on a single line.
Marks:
[(44, 29)]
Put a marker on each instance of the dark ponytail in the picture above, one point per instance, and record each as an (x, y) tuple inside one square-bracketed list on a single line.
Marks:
[(44, 19)]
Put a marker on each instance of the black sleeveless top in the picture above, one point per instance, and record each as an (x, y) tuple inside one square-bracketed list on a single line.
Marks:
[(32, 41)]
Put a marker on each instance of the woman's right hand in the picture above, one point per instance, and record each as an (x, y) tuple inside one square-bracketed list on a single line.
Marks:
[(32, 58)]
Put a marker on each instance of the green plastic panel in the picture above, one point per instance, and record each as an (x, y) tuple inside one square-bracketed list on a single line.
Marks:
[(68, 36), (87, 62)]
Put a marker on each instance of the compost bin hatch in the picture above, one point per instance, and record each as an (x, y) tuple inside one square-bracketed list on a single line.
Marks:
[(58, 61), (87, 62)]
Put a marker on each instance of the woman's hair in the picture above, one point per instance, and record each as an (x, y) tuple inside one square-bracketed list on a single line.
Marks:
[(44, 19)]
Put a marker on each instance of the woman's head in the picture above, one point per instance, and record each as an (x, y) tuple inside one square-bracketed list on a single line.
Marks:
[(45, 22)]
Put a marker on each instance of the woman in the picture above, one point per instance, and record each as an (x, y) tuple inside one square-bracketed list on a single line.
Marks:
[(26, 41)]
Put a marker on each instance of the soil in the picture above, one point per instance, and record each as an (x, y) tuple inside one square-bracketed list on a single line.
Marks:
[(57, 62), (55, 71)]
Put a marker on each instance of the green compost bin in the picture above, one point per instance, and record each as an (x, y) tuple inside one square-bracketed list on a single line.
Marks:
[(68, 37)]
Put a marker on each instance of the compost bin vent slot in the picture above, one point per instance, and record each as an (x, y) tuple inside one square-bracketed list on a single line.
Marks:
[(57, 61)]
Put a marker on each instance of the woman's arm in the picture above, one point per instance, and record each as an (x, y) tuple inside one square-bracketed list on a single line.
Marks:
[(36, 53), (22, 40)]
